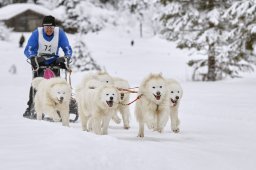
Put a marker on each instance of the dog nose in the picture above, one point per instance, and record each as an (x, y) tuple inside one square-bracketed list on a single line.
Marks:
[(177, 97), (158, 93), (111, 98), (61, 98)]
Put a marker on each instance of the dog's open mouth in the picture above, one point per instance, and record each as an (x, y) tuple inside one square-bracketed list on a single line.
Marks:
[(174, 102), (157, 97), (110, 103), (60, 101), (122, 96)]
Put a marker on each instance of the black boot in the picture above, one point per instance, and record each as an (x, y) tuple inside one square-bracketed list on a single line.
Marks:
[(27, 113), (30, 113)]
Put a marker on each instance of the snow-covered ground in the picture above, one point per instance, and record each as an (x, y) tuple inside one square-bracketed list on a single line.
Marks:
[(218, 119)]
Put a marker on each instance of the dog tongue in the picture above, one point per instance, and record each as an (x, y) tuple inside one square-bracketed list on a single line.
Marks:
[(110, 103), (158, 97)]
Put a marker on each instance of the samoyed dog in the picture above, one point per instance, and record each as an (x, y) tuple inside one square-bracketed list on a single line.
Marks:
[(153, 106), (96, 107), (175, 96), (87, 87), (95, 79), (52, 98), (124, 98)]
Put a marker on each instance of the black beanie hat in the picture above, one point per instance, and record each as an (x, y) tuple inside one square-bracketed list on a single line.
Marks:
[(49, 21)]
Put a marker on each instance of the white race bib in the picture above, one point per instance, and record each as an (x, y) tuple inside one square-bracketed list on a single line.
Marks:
[(48, 47)]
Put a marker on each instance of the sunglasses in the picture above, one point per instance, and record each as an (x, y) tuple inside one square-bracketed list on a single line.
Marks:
[(49, 27)]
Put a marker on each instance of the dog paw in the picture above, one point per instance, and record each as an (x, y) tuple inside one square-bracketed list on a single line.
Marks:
[(176, 130), (126, 127), (140, 135), (160, 130), (151, 125), (104, 133), (39, 118), (56, 119), (84, 128)]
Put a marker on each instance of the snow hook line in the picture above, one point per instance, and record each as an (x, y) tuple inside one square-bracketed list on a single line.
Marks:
[(138, 97)]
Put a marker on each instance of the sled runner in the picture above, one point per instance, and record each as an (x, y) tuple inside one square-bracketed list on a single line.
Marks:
[(50, 71)]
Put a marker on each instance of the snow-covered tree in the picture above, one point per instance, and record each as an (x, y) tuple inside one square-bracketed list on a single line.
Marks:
[(242, 27), (86, 16), (82, 59), (200, 25), (51, 4), (114, 3), (70, 22), (137, 8), (4, 32), (82, 17)]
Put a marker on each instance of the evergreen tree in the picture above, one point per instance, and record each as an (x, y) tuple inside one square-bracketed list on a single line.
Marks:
[(4, 32), (200, 25), (71, 24), (82, 59), (83, 17), (138, 8), (51, 4), (241, 20)]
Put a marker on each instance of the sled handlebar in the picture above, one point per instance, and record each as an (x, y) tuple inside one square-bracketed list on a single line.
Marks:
[(51, 66)]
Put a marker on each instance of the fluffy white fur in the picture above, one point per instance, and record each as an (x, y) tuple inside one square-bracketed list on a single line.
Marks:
[(95, 106), (95, 79), (153, 107), (124, 98), (52, 95), (175, 95)]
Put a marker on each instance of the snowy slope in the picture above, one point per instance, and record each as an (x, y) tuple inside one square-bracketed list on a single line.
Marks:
[(218, 120)]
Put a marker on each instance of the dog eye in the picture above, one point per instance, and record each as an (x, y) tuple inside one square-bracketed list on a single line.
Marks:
[(107, 94), (113, 94), (58, 92), (161, 87), (178, 91), (153, 87), (107, 81), (171, 91)]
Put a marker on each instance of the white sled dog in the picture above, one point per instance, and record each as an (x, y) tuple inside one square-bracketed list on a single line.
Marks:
[(153, 106), (90, 101), (124, 98), (176, 93), (96, 107), (52, 96), (95, 79)]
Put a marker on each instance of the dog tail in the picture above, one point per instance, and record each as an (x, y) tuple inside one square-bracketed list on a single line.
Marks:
[(36, 82)]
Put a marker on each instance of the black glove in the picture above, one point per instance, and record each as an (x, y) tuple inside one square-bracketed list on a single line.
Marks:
[(63, 62), (40, 60), (33, 62), (60, 60)]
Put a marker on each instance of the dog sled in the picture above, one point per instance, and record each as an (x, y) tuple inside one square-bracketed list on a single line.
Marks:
[(63, 70)]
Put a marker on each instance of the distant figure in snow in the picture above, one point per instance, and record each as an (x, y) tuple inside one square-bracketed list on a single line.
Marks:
[(13, 69), (132, 43), (22, 40)]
